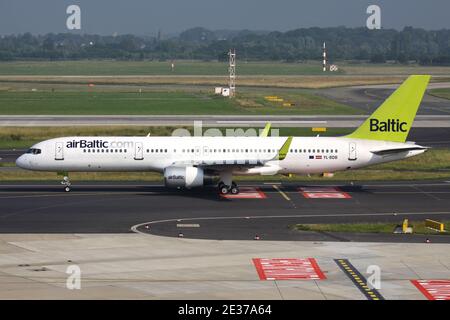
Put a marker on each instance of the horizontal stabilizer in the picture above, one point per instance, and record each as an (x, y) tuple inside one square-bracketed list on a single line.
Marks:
[(397, 150)]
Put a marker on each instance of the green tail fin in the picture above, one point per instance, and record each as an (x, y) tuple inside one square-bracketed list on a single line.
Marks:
[(394, 118)]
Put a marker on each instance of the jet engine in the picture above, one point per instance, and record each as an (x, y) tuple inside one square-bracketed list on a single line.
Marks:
[(186, 177)]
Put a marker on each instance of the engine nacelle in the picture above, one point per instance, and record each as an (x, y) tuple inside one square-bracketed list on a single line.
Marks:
[(186, 177)]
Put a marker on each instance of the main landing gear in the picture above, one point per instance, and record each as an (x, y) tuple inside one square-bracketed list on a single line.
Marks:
[(225, 189), (66, 183)]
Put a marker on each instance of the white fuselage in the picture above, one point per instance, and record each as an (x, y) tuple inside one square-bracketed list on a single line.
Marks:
[(306, 154)]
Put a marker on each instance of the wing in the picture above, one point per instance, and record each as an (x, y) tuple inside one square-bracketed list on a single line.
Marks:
[(237, 163), (265, 132)]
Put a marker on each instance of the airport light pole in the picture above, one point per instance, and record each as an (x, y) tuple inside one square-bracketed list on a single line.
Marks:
[(232, 71)]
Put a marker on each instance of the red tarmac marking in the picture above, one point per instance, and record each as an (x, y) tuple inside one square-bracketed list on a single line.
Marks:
[(320, 189), (288, 269), (246, 193), (323, 193), (433, 289)]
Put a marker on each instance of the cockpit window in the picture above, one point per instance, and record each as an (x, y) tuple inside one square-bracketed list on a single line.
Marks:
[(34, 151)]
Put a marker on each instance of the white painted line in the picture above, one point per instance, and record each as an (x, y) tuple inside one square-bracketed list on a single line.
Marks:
[(84, 185), (188, 225), (410, 192), (273, 121), (135, 227), (64, 194)]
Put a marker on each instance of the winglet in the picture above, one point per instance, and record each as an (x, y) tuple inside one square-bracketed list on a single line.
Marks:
[(284, 149), (265, 132)]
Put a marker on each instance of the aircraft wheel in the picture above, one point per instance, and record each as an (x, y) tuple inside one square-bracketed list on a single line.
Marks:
[(234, 190), (223, 189), (67, 189)]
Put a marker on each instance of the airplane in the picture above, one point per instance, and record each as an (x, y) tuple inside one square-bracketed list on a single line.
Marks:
[(188, 162)]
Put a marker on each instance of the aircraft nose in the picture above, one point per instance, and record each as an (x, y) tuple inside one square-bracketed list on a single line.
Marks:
[(22, 162)]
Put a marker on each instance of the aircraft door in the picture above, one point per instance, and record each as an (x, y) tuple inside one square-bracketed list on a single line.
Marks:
[(352, 155), (59, 151), (138, 151)]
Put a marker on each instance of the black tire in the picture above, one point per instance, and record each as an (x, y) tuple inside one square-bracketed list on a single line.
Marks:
[(67, 189), (234, 190), (224, 189)]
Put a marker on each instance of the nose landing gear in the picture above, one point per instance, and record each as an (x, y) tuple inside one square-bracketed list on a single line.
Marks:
[(66, 183)]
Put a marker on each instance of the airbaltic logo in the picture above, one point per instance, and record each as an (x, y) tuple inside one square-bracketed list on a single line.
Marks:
[(87, 144), (175, 177), (98, 144), (390, 125)]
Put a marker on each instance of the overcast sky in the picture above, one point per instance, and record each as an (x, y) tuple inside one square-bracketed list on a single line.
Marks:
[(144, 17)]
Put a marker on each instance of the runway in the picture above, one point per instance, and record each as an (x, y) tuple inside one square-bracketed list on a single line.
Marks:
[(203, 214), (329, 121)]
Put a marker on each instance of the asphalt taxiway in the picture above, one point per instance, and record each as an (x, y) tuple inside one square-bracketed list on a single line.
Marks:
[(267, 210), (125, 239), (369, 97)]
